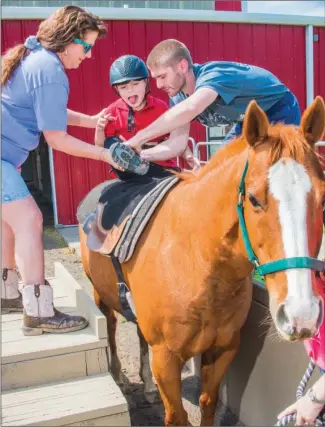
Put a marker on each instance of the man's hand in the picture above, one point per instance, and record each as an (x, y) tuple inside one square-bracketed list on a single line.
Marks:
[(135, 143)]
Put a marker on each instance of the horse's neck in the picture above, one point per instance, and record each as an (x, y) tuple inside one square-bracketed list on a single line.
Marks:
[(211, 204)]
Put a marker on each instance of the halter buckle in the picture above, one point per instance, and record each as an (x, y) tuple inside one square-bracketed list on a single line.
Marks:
[(240, 198), (257, 265)]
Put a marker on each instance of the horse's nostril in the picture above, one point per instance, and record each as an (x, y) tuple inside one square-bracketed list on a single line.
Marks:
[(283, 322), (282, 319)]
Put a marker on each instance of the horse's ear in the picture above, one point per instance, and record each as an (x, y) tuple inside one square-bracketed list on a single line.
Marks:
[(255, 124), (313, 121)]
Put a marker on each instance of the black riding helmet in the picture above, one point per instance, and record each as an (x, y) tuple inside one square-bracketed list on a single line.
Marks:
[(125, 69)]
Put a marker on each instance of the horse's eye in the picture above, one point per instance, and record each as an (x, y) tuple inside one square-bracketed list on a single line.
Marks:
[(254, 202)]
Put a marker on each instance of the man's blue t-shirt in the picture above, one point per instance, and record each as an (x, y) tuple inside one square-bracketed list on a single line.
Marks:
[(236, 84), (33, 100)]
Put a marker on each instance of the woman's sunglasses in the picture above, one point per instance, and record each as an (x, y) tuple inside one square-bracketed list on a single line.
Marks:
[(86, 46)]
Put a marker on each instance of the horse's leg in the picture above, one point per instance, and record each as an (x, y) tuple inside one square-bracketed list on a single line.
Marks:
[(214, 364), (86, 257), (167, 368), (150, 389), (111, 321)]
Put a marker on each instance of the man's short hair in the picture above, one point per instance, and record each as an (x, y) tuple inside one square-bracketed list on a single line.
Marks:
[(169, 53)]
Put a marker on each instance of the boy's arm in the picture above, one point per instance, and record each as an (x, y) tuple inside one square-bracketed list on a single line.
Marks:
[(174, 146), (104, 124), (83, 120), (191, 159), (99, 137), (179, 115)]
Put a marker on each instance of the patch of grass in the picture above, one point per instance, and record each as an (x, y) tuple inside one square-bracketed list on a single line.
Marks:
[(52, 239), (258, 278)]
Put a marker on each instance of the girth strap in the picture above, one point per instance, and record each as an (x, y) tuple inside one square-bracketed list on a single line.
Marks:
[(124, 291)]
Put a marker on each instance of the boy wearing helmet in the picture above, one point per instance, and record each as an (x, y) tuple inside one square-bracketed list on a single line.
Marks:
[(134, 111)]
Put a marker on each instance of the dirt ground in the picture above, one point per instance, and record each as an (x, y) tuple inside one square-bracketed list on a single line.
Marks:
[(141, 412)]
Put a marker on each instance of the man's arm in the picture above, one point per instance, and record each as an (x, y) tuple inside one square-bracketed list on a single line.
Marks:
[(179, 115), (174, 146)]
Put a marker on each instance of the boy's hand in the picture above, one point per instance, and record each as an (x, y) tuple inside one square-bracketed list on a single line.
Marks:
[(193, 162), (102, 119)]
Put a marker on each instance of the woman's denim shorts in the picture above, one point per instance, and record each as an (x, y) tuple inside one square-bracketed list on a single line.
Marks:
[(13, 186)]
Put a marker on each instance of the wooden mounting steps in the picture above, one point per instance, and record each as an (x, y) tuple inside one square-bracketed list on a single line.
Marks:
[(60, 379)]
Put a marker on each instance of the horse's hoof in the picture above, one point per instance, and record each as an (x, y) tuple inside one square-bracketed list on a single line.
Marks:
[(152, 396)]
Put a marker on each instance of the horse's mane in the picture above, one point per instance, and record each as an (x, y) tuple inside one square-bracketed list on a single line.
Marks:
[(282, 140)]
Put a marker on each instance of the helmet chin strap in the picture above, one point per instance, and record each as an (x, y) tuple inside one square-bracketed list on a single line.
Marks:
[(131, 123)]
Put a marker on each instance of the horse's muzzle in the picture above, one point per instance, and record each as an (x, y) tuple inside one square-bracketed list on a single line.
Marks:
[(298, 320)]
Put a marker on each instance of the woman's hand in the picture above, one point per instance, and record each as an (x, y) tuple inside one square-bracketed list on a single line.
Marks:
[(106, 156), (307, 411)]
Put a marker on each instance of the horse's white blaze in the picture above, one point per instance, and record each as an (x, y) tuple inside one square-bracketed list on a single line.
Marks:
[(290, 184)]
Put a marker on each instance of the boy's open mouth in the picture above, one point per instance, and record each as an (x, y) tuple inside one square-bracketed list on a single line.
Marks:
[(133, 99)]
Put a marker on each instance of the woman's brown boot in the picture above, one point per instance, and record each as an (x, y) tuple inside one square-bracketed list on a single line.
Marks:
[(41, 316)]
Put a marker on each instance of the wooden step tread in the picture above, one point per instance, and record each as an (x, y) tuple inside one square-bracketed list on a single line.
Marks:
[(65, 403), (70, 298)]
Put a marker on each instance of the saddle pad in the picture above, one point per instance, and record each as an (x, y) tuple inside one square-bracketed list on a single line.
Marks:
[(136, 200), (140, 217)]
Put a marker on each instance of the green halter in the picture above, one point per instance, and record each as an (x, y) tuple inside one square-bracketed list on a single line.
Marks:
[(273, 266)]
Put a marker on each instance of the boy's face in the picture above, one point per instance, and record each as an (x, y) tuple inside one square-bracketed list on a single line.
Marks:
[(133, 93), (171, 79)]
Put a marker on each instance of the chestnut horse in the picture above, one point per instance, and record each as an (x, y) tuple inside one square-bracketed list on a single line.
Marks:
[(190, 275)]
